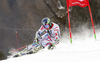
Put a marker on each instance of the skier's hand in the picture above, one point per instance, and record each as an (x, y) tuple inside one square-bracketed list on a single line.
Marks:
[(36, 40)]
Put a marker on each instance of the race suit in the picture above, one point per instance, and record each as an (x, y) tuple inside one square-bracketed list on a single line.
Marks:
[(51, 35)]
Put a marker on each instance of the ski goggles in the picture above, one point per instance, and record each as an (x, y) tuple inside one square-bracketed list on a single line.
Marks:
[(46, 26)]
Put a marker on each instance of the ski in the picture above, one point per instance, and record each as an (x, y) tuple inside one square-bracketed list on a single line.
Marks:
[(27, 50)]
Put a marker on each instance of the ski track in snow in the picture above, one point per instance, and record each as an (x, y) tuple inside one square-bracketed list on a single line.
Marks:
[(81, 50)]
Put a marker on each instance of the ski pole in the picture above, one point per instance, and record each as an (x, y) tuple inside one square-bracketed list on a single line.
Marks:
[(17, 49)]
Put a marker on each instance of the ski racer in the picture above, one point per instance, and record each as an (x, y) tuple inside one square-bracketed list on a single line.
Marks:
[(47, 35), (51, 36)]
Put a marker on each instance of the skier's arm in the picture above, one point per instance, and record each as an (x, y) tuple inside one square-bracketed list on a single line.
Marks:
[(57, 34), (39, 32)]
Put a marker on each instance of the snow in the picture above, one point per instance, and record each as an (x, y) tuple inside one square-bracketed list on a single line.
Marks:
[(81, 50), (61, 7)]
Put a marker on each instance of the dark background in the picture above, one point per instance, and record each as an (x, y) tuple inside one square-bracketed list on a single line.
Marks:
[(24, 16)]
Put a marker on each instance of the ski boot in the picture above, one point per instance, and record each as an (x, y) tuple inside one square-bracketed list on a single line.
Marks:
[(50, 47)]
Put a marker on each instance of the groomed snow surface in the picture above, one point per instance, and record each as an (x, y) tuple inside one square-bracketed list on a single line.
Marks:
[(83, 49)]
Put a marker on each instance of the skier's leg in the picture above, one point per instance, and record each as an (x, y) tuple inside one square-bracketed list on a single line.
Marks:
[(44, 37), (49, 41)]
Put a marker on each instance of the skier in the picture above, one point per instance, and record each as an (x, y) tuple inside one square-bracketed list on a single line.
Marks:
[(51, 36), (48, 34)]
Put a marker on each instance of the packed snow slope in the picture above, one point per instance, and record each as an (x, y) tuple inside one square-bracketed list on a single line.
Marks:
[(83, 49)]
